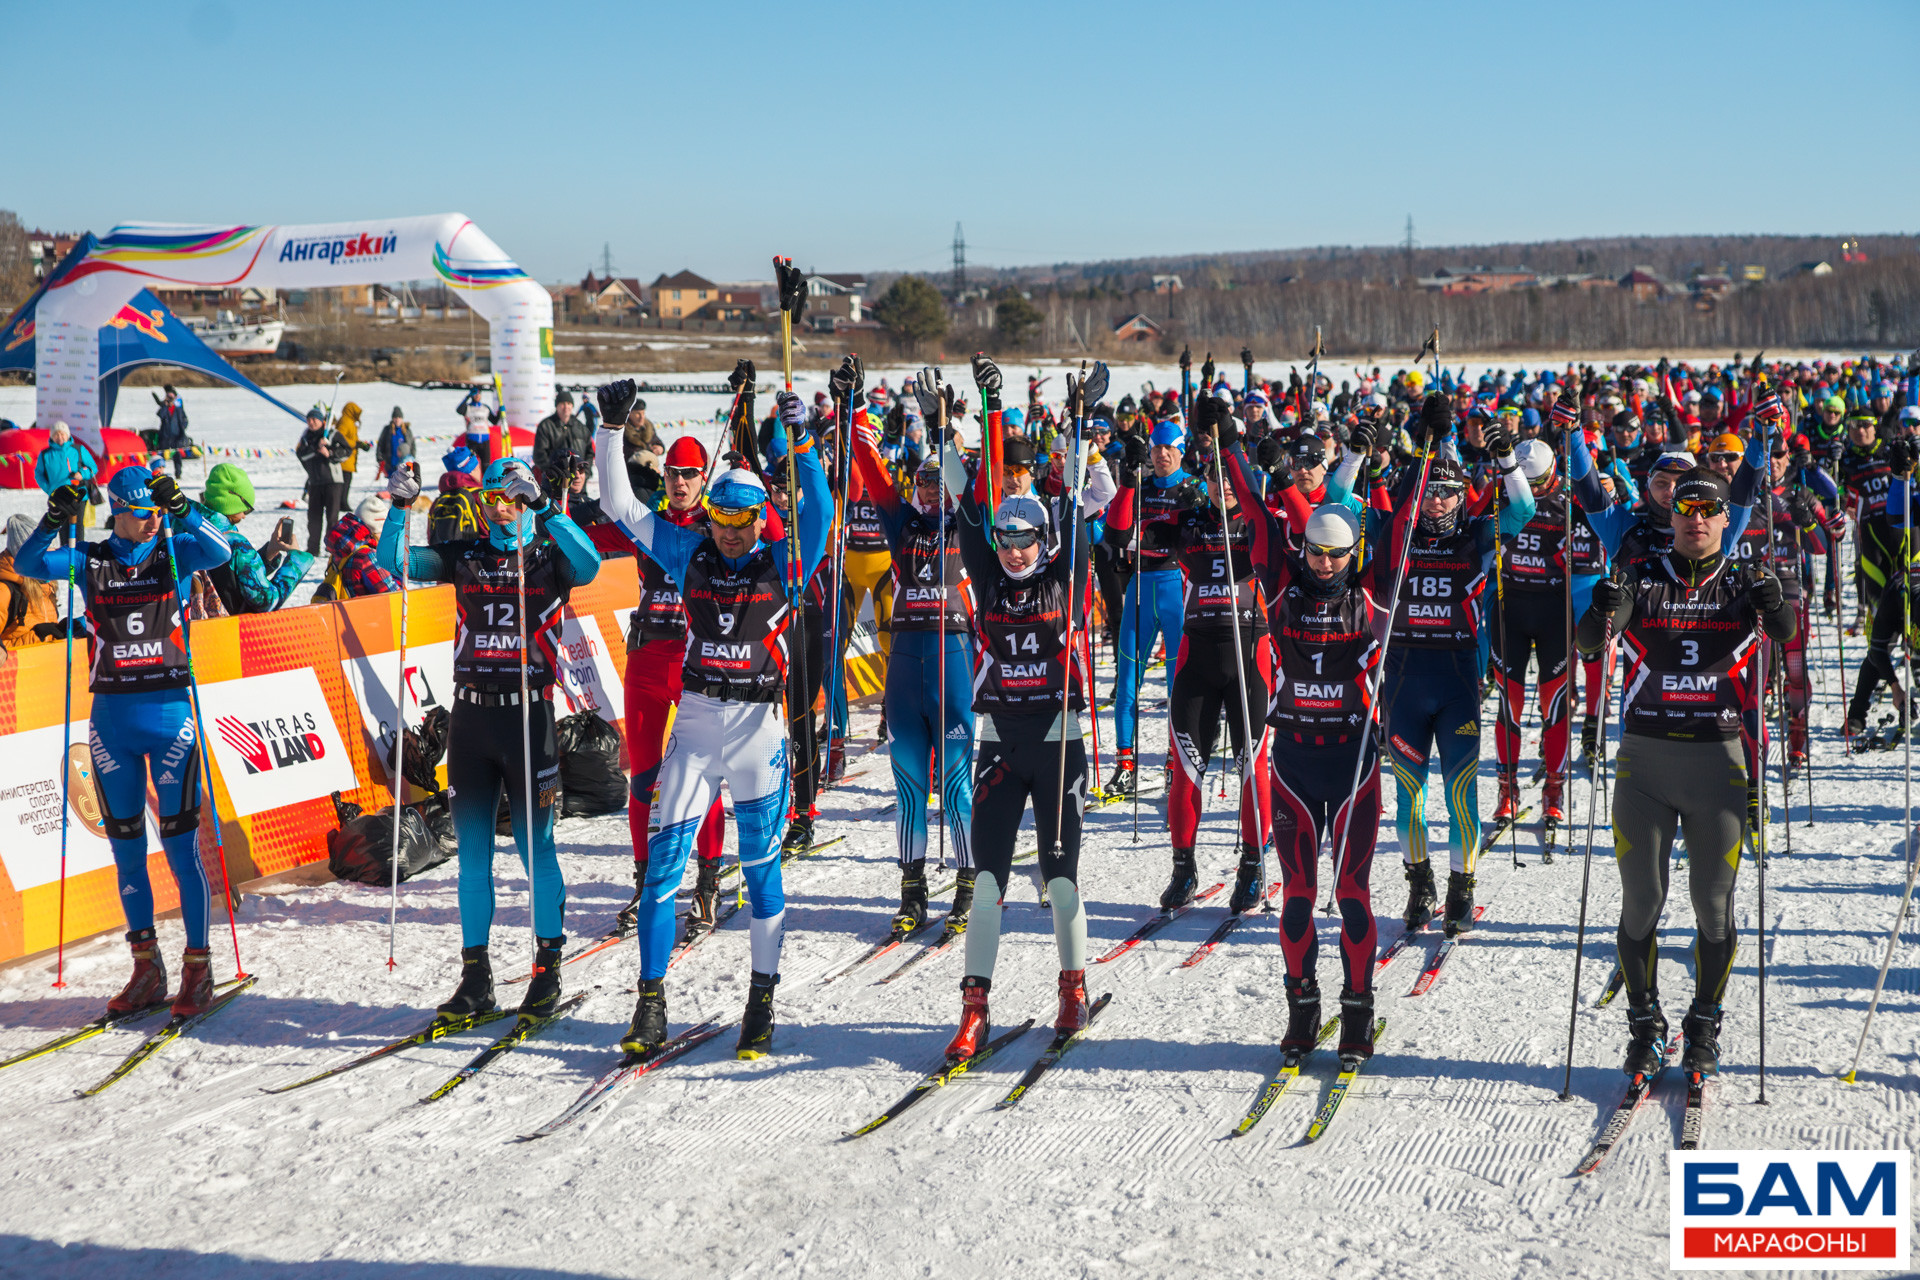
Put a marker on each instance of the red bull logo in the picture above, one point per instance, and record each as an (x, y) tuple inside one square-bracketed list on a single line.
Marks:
[(149, 323), (20, 337)]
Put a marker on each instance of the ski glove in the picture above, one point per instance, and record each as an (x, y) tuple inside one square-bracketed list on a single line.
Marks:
[(1608, 595), (1133, 461), (616, 400), (1499, 439), (65, 503), (1206, 372), (1436, 418), (1270, 455), (927, 390), (986, 376), (1360, 437), (1246, 358), (848, 382), (792, 410), (1902, 453), (524, 489), (403, 487), (1566, 409), (166, 492), (1765, 593)]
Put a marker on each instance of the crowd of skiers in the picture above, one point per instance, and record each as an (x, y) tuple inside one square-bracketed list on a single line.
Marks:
[(1341, 572)]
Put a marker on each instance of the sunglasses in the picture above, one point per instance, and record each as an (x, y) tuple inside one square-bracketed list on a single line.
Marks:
[(733, 517), (1015, 539), (1723, 457), (1018, 468), (1331, 553), (1700, 507), (685, 473), (1444, 491)]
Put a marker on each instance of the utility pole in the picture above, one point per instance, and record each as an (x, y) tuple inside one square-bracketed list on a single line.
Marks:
[(606, 259), (959, 261), (1406, 252)]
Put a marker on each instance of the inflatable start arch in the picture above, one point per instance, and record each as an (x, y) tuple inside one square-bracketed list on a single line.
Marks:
[(446, 247)]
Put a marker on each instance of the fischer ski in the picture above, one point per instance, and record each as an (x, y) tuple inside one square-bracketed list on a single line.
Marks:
[(934, 1080), (948, 936), (692, 940), (1062, 1041), (175, 1028), (105, 1022), (812, 849), (630, 1068), (1431, 974), (523, 1029), (894, 938), (1498, 831), (1280, 1081), (1155, 923), (438, 1029), (1227, 926), (1693, 1124), (1614, 984), (1341, 1084), (619, 934), (1637, 1090)]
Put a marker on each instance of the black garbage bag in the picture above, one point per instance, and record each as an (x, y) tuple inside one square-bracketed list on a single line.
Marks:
[(426, 746), (362, 849), (591, 779)]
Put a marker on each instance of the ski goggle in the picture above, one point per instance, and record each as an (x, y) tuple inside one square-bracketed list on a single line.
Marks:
[(1444, 491), (1018, 469), (1331, 553), (733, 517), (1015, 539), (685, 473), (488, 497), (1700, 507)]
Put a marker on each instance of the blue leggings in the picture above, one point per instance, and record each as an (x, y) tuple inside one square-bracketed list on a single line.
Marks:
[(1161, 612), (913, 714), (485, 758), (130, 733), (1432, 699)]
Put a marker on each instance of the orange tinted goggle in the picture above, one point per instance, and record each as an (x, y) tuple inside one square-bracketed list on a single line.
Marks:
[(491, 496), (1700, 507), (733, 517)]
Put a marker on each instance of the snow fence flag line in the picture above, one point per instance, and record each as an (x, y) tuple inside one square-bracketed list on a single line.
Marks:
[(1790, 1210)]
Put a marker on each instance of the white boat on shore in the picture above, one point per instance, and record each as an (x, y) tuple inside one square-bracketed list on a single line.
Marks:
[(237, 336)]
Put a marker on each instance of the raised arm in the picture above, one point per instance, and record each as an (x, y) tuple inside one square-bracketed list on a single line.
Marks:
[(665, 543), (204, 547)]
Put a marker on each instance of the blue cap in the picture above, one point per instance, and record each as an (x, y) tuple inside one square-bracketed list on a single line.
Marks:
[(776, 447), (500, 468), (1882, 389), (1530, 417), (737, 490), (1169, 433), (1012, 418), (128, 488), (459, 458)]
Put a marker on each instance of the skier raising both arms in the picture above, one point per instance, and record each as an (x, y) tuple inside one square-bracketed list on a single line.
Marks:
[(533, 552), (134, 588), (1689, 621), (730, 726)]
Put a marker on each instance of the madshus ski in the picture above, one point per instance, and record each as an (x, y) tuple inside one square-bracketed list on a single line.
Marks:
[(104, 1023), (1062, 1041), (175, 1028), (523, 1029), (1280, 1081), (893, 941), (1227, 926), (630, 1068), (950, 934), (689, 939), (439, 1029), (1155, 923), (1343, 1082), (1431, 974), (936, 1079), (1693, 1124), (1498, 831), (1637, 1090)]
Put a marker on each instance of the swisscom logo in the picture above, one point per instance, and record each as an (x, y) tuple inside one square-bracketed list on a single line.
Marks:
[(1788, 1210)]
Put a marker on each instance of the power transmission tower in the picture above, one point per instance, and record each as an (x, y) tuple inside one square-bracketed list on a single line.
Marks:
[(1406, 251), (959, 261), (606, 260)]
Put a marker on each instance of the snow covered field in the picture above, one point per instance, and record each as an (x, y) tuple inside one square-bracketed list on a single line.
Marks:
[(1451, 1158)]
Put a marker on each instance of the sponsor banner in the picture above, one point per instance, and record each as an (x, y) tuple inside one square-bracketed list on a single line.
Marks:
[(1790, 1210), (275, 741), (372, 680), (30, 809), (588, 680)]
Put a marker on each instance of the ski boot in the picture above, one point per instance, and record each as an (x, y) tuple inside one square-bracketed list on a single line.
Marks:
[(648, 1030), (1590, 742), (196, 983), (1126, 779), (1420, 895), (706, 900), (1179, 890), (1356, 1027), (1702, 1027), (1647, 1027), (799, 838), (1859, 622), (1073, 1001), (836, 759), (975, 1025), (880, 735), (475, 992), (1459, 909), (1753, 814), (756, 1024), (962, 900), (1553, 812), (1797, 742), (147, 988), (1509, 802), (1851, 731), (1303, 1017), (1248, 880), (913, 898), (543, 990), (630, 913)]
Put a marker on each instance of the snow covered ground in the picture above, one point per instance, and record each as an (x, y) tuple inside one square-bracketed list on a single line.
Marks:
[(1451, 1158)]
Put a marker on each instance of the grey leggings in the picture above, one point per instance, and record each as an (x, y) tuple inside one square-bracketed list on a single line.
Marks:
[(1661, 784)]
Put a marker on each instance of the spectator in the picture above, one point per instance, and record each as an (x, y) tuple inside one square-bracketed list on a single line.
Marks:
[(351, 569), (478, 420), (565, 484), (643, 450), (320, 451), (455, 515), (32, 610), (349, 431), (250, 581), (66, 461), (464, 461), (172, 436), (560, 433), (396, 446)]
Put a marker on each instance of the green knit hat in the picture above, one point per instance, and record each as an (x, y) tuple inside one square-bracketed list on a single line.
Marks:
[(229, 491)]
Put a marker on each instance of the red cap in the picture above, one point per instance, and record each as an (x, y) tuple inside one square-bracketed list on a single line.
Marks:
[(686, 452)]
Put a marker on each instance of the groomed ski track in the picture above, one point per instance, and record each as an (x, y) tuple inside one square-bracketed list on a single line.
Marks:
[(1452, 1157)]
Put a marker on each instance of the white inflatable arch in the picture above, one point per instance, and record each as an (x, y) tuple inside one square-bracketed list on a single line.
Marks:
[(446, 247)]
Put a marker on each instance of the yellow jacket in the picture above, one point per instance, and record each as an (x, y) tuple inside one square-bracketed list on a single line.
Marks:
[(349, 426)]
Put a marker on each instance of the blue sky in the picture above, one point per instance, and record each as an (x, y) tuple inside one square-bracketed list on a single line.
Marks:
[(853, 136)]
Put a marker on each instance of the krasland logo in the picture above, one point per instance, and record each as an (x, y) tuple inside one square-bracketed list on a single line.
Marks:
[(1789, 1210), (273, 742)]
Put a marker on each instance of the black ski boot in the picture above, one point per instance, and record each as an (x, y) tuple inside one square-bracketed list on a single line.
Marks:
[(1356, 1027), (799, 839), (756, 1025), (962, 900), (475, 992), (1459, 917), (1249, 880), (543, 992), (1702, 1027), (1647, 1027), (1126, 779), (913, 897), (648, 1030), (1179, 890), (706, 900), (631, 912), (1303, 1017), (1589, 742), (1420, 895)]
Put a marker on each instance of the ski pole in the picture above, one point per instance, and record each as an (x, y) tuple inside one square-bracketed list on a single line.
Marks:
[(1247, 733), (1070, 510), (796, 587), (940, 417), (521, 537), (1586, 862), (66, 774), (837, 574), (399, 741), (1139, 666)]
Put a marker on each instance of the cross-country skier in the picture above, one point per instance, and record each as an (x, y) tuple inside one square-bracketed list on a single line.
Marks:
[(730, 726), (1689, 620), (1864, 477), (1892, 610), (534, 553), (134, 585)]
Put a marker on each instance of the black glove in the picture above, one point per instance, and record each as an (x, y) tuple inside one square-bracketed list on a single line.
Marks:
[(1227, 427), (64, 504), (792, 283), (1902, 453), (1608, 595), (1765, 592), (616, 399), (1246, 357), (1270, 454), (1436, 418), (1360, 438), (1186, 356), (1499, 439), (848, 382), (742, 376), (1206, 372), (50, 630), (1800, 507), (1293, 379), (1282, 468), (166, 492), (1133, 460)]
